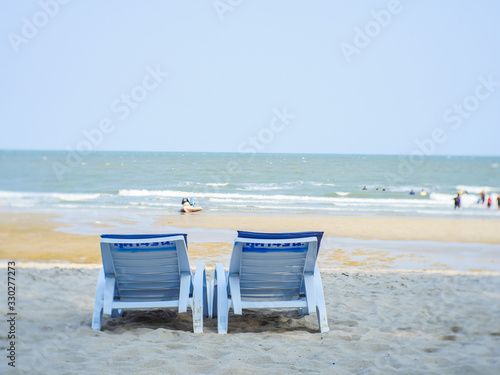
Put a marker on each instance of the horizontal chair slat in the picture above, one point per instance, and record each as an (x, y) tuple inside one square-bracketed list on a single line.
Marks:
[(148, 293), (146, 277), (157, 285), (273, 304), (151, 270), (270, 255), (274, 264), (144, 304), (142, 263), (284, 277)]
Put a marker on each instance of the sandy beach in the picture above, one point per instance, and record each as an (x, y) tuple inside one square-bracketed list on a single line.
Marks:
[(38, 237), (392, 306)]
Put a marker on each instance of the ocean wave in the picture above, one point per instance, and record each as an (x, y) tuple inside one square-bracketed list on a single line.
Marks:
[(478, 189), (279, 198), (469, 200), (217, 184), (322, 184), (264, 187), (71, 197), (441, 197), (406, 189)]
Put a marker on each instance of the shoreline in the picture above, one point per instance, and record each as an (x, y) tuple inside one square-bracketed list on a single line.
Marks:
[(360, 243)]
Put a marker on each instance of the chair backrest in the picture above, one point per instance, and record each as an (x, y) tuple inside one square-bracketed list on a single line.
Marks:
[(145, 267), (277, 236), (271, 266)]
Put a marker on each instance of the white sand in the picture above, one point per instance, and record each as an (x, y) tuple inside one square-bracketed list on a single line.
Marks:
[(381, 322), (442, 317)]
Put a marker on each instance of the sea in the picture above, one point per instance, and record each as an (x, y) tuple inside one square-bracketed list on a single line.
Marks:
[(249, 184)]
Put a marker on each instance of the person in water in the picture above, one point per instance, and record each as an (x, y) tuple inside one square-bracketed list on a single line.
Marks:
[(482, 196), (489, 201), (457, 201), (187, 202)]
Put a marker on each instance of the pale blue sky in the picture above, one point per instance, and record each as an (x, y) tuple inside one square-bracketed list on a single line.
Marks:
[(69, 67)]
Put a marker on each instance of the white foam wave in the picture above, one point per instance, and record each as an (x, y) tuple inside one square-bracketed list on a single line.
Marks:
[(477, 189), (321, 184), (264, 187), (406, 189), (216, 184), (469, 200), (72, 197), (337, 201), (442, 197)]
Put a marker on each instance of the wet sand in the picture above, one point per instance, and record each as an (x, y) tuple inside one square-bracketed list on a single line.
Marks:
[(36, 236)]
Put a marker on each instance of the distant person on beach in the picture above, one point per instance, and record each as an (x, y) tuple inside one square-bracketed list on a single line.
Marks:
[(364, 187), (498, 201), (489, 201), (457, 201), (412, 192), (188, 205), (482, 196), (423, 193)]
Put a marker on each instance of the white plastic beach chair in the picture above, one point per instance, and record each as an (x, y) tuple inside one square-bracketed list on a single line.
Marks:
[(149, 272), (267, 271)]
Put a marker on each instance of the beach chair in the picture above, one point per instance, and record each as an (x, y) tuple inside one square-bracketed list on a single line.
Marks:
[(269, 271), (149, 272)]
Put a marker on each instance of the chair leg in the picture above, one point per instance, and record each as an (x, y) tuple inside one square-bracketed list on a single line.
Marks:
[(199, 292), (99, 303), (320, 302), (207, 308), (222, 301), (109, 293), (213, 287)]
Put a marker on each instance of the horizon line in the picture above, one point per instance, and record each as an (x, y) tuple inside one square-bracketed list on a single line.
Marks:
[(241, 153)]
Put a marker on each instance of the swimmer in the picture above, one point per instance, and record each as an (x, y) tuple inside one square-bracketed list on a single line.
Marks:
[(482, 196), (423, 193), (457, 201)]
